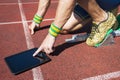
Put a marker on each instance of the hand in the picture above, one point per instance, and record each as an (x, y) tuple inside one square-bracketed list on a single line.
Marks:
[(32, 27), (46, 45)]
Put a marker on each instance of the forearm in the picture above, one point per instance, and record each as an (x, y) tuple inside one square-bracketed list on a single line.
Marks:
[(42, 7), (64, 10)]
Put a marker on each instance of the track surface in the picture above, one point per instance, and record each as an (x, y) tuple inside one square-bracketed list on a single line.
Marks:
[(70, 61)]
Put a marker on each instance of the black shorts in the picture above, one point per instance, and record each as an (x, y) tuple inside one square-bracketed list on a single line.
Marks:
[(107, 5)]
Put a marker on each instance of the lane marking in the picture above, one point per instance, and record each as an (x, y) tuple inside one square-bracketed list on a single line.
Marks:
[(105, 76), (37, 2), (37, 73), (18, 22), (8, 4), (25, 3)]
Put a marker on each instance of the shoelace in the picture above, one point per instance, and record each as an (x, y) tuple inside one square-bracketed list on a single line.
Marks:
[(94, 30)]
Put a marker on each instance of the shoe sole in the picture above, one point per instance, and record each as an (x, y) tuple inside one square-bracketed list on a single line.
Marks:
[(106, 36)]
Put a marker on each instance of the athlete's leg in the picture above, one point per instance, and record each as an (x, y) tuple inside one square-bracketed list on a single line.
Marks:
[(102, 21), (78, 19)]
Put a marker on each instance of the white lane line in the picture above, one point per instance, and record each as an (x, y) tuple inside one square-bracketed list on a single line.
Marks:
[(37, 2), (18, 22), (37, 73), (107, 76), (8, 4), (25, 3)]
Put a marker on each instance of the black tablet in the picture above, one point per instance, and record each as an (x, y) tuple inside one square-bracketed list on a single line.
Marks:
[(24, 61)]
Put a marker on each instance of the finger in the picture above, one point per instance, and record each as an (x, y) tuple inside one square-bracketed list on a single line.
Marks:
[(36, 52), (34, 28), (48, 50), (32, 31), (31, 27)]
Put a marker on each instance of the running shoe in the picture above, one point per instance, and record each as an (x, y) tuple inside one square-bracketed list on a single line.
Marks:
[(100, 31)]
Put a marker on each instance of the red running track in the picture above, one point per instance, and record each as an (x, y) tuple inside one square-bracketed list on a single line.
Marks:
[(71, 62)]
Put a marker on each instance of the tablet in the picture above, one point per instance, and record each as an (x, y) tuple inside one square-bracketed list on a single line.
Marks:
[(24, 61)]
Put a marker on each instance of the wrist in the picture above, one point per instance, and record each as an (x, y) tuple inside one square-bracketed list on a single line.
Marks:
[(49, 35), (54, 30), (37, 19)]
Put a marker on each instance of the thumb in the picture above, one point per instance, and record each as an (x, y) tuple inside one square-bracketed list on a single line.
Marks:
[(32, 31)]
